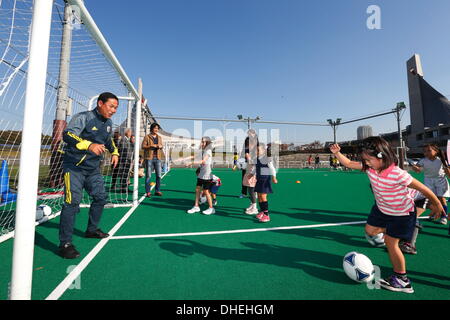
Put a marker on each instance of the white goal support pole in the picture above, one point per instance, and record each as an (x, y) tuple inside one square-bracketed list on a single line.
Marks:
[(23, 251), (137, 144)]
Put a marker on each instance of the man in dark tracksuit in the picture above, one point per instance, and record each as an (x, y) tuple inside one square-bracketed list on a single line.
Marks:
[(87, 137)]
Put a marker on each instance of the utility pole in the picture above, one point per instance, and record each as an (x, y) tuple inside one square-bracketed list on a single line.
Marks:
[(62, 101)]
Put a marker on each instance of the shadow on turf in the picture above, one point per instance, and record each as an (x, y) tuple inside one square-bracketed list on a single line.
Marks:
[(321, 215), (48, 245), (322, 265), (192, 192), (320, 234), (185, 204), (434, 234)]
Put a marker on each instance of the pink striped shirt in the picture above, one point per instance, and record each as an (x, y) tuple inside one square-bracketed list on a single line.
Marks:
[(391, 191)]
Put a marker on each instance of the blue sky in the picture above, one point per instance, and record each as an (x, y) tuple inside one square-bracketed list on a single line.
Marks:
[(288, 60)]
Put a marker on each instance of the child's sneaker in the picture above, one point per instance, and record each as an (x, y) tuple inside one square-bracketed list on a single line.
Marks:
[(242, 196), (203, 200), (260, 215), (442, 220), (214, 202), (251, 210), (265, 218), (209, 211), (406, 247), (194, 210), (394, 283), (419, 225)]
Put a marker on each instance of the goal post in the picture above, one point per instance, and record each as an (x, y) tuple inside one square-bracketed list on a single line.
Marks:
[(137, 146), (41, 88), (81, 65), (23, 251)]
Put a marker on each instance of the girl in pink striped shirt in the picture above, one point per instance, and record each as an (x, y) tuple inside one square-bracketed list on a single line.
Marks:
[(394, 214)]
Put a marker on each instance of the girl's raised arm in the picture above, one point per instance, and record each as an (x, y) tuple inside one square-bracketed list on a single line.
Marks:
[(336, 150)]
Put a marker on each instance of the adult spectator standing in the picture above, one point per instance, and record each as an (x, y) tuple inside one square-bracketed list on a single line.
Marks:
[(249, 153), (126, 159), (310, 160), (153, 154), (317, 162), (88, 135)]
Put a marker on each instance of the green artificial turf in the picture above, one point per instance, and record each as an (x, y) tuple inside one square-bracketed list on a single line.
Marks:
[(301, 263)]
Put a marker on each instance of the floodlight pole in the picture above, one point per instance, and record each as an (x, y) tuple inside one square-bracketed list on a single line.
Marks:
[(400, 106), (23, 251), (334, 125), (248, 120), (334, 133)]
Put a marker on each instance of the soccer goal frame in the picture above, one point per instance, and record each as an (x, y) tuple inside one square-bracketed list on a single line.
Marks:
[(23, 248)]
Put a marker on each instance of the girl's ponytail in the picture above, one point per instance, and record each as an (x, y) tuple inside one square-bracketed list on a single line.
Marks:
[(441, 155), (443, 158)]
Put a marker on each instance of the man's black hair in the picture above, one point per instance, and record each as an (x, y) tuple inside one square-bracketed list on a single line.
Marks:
[(105, 96), (153, 125)]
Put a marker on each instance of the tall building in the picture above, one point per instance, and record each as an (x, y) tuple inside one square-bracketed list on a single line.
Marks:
[(364, 132), (429, 110)]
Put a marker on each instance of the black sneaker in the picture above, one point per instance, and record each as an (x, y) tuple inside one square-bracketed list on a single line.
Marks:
[(68, 251), (97, 234)]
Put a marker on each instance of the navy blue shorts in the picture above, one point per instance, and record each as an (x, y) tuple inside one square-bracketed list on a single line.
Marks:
[(400, 227)]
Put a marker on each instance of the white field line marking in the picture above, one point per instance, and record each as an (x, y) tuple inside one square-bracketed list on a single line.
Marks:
[(71, 277), (164, 235)]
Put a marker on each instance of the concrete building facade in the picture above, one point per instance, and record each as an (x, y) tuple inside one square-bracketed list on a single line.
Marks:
[(364, 132), (429, 110)]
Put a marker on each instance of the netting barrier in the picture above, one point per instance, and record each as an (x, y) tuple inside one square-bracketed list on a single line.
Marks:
[(78, 71)]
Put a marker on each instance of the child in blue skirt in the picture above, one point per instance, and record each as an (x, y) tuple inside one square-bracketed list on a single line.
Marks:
[(265, 174)]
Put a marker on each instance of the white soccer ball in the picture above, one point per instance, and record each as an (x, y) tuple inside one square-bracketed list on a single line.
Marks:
[(358, 267), (241, 164), (43, 211), (203, 199), (377, 240)]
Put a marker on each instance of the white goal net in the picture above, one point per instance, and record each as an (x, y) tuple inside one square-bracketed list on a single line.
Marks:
[(78, 71)]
